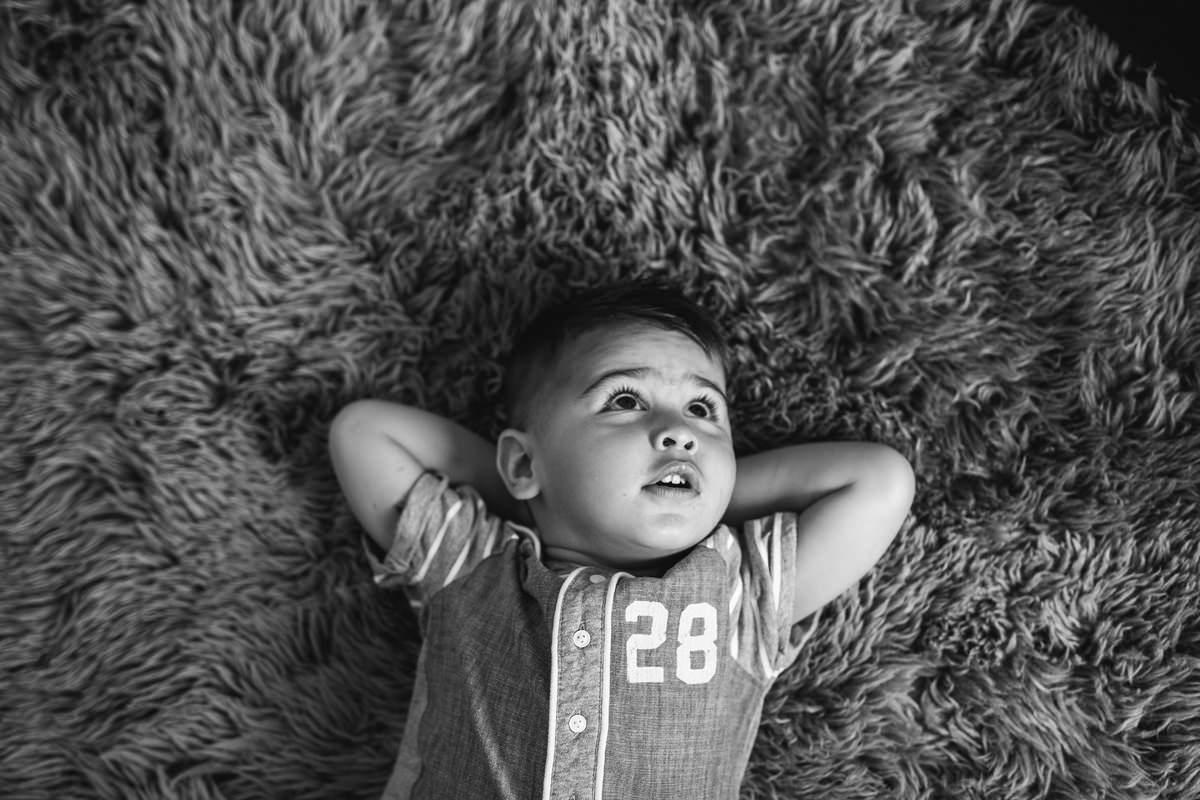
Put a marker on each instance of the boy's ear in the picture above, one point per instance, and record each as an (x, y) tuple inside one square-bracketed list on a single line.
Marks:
[(514, 462)]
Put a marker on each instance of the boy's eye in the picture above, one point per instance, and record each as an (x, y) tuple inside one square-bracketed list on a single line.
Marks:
[(623, 399), (625, 402), (706, 407)]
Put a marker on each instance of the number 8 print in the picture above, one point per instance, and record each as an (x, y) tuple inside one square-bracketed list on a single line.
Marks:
[(704, 642)]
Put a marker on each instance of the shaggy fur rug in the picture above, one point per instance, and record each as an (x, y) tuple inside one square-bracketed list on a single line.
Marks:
[(970, 230)]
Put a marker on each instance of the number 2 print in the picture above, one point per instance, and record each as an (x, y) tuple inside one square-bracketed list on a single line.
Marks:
[(703, 643)]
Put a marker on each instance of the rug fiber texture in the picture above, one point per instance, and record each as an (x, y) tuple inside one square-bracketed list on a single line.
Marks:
[(969, 230)]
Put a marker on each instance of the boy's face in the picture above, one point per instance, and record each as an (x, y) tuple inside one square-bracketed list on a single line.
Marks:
[(604, 440)]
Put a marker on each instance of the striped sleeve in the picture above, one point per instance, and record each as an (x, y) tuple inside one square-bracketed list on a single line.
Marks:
[(767, 636), (443, 532)]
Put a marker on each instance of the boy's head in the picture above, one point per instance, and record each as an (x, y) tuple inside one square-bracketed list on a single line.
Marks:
[(606, 394), (531, 362)]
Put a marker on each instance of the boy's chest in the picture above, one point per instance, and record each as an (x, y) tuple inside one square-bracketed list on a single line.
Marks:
[(643, 637), (617, 680), (649, 667), (635, 637)]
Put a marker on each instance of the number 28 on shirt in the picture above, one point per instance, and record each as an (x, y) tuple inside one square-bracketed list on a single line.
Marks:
[(695, 643)]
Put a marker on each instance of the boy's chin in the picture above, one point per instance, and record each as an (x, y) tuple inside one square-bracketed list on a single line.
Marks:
[(666, 543), (699, 519)]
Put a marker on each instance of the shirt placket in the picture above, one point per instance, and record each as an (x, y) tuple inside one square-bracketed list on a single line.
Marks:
[(580, 680)]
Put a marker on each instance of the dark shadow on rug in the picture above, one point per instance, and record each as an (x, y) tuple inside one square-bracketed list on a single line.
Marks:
[(966, 229)]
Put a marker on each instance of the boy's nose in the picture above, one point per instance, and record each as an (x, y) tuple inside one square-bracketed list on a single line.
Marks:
[(676, 436)]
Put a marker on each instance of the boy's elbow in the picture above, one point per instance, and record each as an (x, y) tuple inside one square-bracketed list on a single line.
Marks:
[(374, 472), (900, 476), (895, 483), (347, 418)]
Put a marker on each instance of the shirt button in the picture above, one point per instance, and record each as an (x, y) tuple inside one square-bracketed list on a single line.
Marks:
[(577, 723), (581, 638), (597, 578)]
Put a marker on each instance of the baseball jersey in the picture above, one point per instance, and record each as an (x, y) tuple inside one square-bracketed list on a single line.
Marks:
[(543, 680)]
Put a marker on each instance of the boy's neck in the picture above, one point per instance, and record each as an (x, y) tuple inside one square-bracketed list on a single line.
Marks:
[(655, 568)]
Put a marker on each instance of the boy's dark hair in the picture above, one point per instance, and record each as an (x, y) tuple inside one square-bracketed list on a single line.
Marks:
[(647, 302)]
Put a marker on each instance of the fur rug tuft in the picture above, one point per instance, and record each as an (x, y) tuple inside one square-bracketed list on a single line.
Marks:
[(968, 229)]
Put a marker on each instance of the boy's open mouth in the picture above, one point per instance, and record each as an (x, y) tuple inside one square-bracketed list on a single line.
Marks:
[(668, 490), (675, 479)]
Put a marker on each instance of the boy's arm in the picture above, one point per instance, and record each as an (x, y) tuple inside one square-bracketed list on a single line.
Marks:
[(379, 449), (851, 497)]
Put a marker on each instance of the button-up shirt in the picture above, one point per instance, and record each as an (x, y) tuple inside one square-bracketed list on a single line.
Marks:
[(543, 680)]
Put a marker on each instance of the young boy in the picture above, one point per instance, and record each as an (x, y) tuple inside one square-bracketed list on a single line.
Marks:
[(606, 595)]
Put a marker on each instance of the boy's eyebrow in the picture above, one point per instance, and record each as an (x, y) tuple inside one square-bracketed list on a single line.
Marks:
[(641, 372)]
